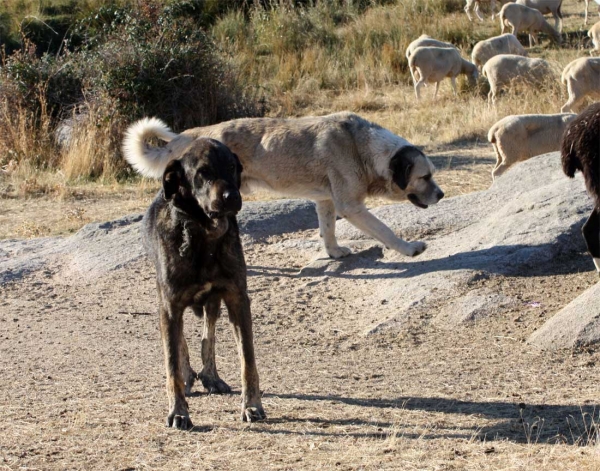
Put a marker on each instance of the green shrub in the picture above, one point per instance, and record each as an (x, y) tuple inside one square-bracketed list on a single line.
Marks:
[(132, 63)]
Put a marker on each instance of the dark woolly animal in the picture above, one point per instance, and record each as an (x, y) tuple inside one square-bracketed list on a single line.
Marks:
[(580, 150), (191, 234)]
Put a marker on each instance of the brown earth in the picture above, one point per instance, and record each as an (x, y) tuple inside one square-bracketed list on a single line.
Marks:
[(83, 374)]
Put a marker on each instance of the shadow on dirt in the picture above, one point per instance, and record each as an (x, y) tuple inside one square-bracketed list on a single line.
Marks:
[(566, 255), (517, 422)]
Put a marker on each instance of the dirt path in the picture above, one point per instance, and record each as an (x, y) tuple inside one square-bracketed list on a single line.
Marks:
[(83, 374), (83, 378)]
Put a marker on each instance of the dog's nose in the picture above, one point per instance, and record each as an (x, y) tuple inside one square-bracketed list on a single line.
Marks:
[(232, 200), (440, 194)]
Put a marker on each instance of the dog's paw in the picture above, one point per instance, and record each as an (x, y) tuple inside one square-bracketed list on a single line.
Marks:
[(179, 421), (416, 248), (253, 414), (214, 385), (338, 252)]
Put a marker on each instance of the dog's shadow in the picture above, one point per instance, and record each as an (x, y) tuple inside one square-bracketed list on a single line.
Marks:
[(516, 422), (566, 255)]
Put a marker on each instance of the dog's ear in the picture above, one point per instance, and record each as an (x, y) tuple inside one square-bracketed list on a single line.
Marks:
[(173, 178), (401, 165), (240, 169)]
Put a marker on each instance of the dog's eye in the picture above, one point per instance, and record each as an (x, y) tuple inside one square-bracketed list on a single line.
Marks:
[(427, 177), (203, 173), (232, 168)]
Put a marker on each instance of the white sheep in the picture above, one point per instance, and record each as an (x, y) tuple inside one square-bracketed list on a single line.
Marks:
[(594, 33), (488, 48), (426, 41), (433, 64), (519, 137), (545, 7), (505, 69), (587, 5), (522, 18), (582, 78), (475, 3)]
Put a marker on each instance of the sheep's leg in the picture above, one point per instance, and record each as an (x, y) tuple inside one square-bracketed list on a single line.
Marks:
[(453, 81), (587, 4), (437, 87), (576, 97), (573, 103), (418, 86), (478, 12), (492, 97), (499, 171), (493, 9), (498, 158), (532, 39), (468, 10)]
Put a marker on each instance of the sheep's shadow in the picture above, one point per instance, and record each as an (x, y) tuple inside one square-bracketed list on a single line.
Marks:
[(517, 422)]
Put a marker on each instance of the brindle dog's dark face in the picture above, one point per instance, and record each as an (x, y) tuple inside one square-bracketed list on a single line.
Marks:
[(206, 179), (412, 171)]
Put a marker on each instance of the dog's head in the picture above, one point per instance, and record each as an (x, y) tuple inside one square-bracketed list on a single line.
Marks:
[(412, 171), (205, 181)]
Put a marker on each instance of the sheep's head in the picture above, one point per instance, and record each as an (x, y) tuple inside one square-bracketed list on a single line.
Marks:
[(470, 70)]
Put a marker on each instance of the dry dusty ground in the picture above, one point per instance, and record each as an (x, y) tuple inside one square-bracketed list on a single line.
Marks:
[(83, 374)]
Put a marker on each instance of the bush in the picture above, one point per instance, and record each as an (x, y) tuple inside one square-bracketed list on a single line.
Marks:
[(131, 64)]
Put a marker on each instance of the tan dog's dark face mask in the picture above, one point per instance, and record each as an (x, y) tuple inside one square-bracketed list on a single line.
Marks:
[(412, 171), (205, 180)]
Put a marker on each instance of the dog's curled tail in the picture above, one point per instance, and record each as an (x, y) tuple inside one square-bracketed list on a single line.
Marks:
[(146, 160)]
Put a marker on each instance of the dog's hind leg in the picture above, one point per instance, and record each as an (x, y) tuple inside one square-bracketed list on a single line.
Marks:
[(326, 215), (238, 306), (189, 375), (360, 217), (171, 329), (209, 376)]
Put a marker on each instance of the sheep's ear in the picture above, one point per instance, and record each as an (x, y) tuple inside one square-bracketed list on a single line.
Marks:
[(173, 179), (401, 165), (591, 234)]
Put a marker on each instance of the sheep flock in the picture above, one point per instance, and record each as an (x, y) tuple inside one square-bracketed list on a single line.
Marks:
[(506, 64)]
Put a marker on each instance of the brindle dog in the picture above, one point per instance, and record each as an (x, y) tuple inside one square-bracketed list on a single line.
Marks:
[(191, 234)]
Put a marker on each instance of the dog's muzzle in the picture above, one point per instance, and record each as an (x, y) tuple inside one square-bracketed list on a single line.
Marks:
[(414, 199), (231, 203)]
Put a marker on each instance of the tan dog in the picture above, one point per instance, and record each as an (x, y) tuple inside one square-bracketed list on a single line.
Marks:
[(335, 160)]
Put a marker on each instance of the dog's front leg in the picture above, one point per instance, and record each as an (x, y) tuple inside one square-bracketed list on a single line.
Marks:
[(209, 376), (360, 217), (171, 328), (238, 306), (326, 215)]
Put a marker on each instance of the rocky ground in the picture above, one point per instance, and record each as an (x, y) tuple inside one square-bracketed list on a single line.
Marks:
[(456, 359)]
